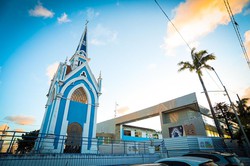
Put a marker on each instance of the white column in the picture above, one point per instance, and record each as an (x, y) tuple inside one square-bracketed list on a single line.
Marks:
[(121, 131)]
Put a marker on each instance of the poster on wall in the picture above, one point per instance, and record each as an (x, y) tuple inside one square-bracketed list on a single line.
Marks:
[(189, 129), (176, 131), (205, 143)]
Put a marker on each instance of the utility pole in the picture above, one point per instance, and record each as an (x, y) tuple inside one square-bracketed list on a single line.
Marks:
[(231, 103)]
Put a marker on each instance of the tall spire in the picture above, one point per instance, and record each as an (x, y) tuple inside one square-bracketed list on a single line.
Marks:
[(82, 47)]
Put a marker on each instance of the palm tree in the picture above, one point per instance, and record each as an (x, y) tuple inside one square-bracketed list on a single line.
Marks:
[(199, 61)]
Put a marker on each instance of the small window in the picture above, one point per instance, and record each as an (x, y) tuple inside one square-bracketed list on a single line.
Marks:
[(138, 134), (155, 136), (127, 132)]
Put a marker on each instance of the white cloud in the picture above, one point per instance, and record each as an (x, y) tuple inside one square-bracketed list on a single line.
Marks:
[(63, 19), (247, 42), (40, 11), (103, 36), (122, 110), (97, 42), (51, 70), (91, 14), (21, 120), (207, 16)]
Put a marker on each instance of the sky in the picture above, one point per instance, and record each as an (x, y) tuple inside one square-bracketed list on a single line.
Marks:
[(133, 45)]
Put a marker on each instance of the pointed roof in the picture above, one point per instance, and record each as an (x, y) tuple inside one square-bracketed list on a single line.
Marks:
[(82, 46)]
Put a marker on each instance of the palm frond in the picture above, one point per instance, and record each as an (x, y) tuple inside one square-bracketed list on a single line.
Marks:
[(185, 65), (206, 66), (199, 61), (208, 57)]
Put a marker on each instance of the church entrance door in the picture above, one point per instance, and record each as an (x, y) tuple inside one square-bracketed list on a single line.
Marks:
[(74, 138)]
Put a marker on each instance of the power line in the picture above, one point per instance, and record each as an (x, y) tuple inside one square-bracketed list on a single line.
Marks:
[(173, 25), (208, 99), (182, 38), (236, 29)]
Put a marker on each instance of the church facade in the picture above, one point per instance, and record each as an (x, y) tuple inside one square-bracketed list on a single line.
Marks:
[(69, 123)]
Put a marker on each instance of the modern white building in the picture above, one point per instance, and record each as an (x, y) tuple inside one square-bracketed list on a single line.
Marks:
[(179, 117)]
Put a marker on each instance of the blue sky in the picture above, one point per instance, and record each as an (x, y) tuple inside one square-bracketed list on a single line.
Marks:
[(130, 42)]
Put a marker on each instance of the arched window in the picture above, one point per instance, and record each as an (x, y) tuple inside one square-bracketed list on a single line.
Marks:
[(79, 95)]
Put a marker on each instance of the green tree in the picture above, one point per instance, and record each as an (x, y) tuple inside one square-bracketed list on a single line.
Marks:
[(222, 111), (199, 62), (27, 142), (244, 116), (243, 109)]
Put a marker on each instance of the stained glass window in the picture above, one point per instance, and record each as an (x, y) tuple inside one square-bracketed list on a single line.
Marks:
[(79, 95)]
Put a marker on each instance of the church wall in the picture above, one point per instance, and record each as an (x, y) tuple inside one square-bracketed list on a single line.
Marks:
[(64, 72), (59, 71), (78, 73), (92, 119), (60, 116), (77, 113), (46, 120)]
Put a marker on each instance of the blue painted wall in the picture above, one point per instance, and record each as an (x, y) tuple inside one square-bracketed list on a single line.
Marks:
[(77, 74), (130, 138), (77, 112), (60, 117), (46, 120)]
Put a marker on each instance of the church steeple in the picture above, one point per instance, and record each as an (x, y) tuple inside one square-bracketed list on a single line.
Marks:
[(82, 46), (72, 104), (81, 54)]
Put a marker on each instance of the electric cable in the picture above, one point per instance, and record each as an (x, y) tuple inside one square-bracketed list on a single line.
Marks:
[(183, 38), (235, 26)]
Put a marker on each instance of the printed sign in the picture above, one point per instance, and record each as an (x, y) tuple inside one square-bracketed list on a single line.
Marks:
[(189, 129), (176, 131), (205, 143)]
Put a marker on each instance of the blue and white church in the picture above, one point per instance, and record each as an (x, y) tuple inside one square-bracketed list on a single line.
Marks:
[(69, 123)]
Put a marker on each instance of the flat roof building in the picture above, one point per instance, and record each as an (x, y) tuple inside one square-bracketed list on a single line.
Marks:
[(179, 117)]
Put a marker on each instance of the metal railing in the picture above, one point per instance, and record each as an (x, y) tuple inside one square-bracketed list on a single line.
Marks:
[(15, 142)]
